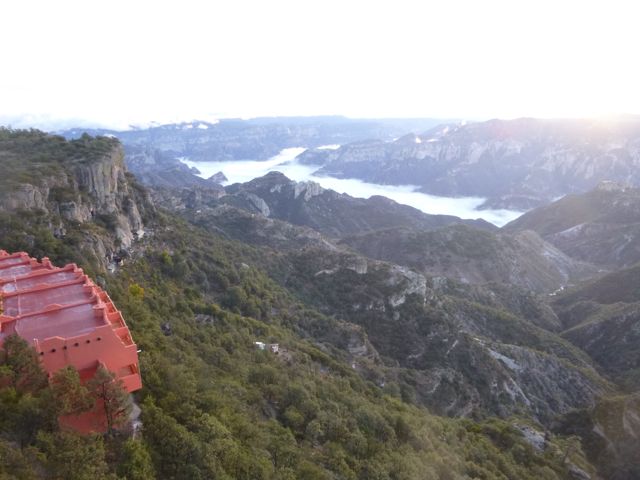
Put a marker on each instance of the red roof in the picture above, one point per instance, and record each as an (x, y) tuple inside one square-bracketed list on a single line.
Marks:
[(68, 319)]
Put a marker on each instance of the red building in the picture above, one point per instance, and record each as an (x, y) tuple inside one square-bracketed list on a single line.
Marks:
[(70, 321)]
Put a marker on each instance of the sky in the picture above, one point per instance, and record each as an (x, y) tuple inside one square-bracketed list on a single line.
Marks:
[(119, 63)]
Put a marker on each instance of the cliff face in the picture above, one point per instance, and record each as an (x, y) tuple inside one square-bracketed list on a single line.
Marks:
[(109, 193), (91, 190), (83, 184)]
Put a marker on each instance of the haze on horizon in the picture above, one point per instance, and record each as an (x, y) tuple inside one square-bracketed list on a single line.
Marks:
[(119, 63)]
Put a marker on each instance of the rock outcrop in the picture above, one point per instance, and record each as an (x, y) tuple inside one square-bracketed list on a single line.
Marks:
[(84, 182), (218, 178)]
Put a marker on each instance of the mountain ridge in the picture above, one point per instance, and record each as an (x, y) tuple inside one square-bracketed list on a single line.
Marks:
[(601, 225), (517, 164)]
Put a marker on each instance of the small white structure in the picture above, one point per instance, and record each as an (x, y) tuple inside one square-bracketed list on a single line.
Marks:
[(272, 347)]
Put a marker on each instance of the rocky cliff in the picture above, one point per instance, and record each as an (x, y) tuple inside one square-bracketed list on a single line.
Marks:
[(81, 183)]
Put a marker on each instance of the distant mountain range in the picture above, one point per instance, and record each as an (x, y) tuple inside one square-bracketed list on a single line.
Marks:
[(517, 164), (152, 153), (256, 139)]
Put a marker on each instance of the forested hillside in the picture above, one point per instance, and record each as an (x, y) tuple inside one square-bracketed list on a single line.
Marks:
[(215, 406)]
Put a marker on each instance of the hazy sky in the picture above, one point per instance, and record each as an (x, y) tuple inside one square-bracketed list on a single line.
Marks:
[(121, 62)]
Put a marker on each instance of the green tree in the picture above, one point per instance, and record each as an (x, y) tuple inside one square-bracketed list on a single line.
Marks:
[(112, 396), (17, 463), (23, 393), (135, 462), (70, 396), (310, 471), (22, 367), (71, 456), (176, 451), (282, 446), (136, 291)]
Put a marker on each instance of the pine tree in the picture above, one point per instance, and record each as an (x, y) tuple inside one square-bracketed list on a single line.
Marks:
[(24, 405), (70, 396), (22, 366), (113, 397), (135, 462), (71, 456)]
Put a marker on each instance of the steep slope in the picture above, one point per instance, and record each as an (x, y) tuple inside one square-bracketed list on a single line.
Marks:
[(459, 350), (308, 410), (619, 286), (476, 256), (610, 335), (609, 434), (464, 357), (603, 318), (601, 226), (516, 164)]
